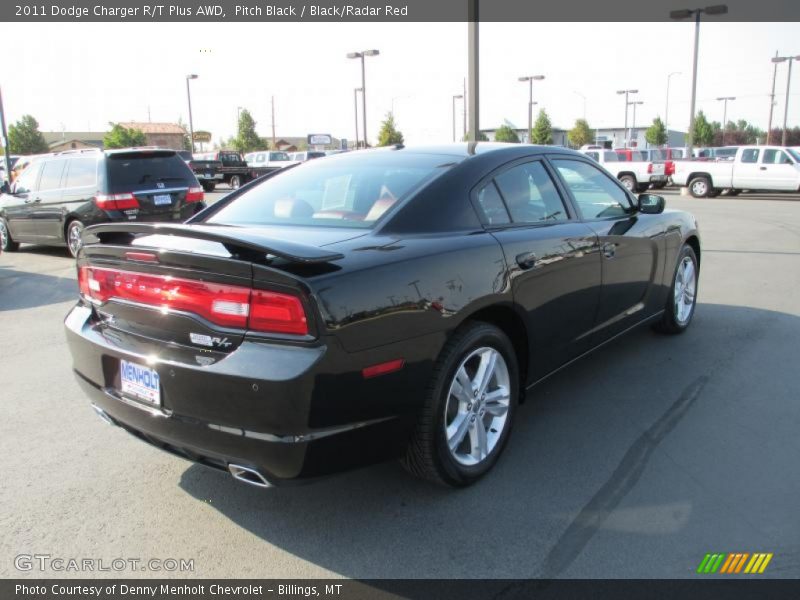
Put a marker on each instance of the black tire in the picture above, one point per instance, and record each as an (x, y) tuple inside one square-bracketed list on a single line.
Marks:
[(642, 187), (629, 181), (700, 187), (670, 321), (72, 234), (208, 186), (6, 243), (235, 182), (428, 455), (659, 185)]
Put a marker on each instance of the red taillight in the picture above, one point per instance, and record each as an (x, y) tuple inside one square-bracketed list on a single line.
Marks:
[(233, 306), (194, 194), (279, 313), (650, 167), (669, 167), (116, 201)]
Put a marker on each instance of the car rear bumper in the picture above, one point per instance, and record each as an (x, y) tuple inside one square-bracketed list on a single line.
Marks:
[(276, 409)]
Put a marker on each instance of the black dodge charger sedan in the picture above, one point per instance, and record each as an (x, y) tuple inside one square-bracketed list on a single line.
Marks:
[(393, 303)]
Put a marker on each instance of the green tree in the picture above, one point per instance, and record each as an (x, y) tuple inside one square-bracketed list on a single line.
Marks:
[(389, 134), (702, 131), (504, 133), (481, 137), (123, 137), (24, 137), (542, 130), (581, 134), (656, 134), (247, 139)]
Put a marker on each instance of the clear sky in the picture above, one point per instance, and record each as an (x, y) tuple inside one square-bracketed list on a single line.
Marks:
[(80, 76)]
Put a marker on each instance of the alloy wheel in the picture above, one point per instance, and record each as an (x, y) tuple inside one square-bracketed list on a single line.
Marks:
[(74, 237), (685, 289), (477, 406), (3, 235), (699, 188)]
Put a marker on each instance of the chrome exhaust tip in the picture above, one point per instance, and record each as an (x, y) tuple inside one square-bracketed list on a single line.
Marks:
[(248, 475), (102, 414)]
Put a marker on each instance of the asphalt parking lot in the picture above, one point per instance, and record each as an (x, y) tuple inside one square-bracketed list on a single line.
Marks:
[(635, 462)]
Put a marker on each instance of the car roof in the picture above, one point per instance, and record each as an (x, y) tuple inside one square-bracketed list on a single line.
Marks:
[(466, 150)]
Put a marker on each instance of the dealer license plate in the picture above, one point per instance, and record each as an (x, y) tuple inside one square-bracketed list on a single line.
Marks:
[(140, 382)]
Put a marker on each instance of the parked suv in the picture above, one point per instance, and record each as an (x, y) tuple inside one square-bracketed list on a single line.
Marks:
[(55, 197)]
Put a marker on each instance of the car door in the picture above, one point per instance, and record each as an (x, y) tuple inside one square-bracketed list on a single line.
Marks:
[(631, 246), (80, 187), (18, 206), (47, 211), (779, 171), (747, 173), (553, 260)]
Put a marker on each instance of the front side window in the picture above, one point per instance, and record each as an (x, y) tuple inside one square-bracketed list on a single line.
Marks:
[(750, 155), (776, 157), (26, 181), (597, 195), (530, 195), (353, 192)]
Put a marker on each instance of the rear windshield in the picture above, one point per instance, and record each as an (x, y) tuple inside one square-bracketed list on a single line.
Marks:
[(316, 154), (131, 171), (346, 191), (230, 157)]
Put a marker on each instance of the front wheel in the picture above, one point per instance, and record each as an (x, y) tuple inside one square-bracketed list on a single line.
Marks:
[(74, 242), (682, 298), (6, 243), (208, 186), (700, 187), (235, 182), (469, 408)]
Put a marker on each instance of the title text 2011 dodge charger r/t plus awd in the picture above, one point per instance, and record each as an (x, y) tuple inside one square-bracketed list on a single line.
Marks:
[(371, 305)]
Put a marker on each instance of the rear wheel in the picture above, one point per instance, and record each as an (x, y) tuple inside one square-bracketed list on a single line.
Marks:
[(700, 186), (469, 408), (235, 182), (208, 186), (629, 181), (682, 298), (6, 243), (74, 242)]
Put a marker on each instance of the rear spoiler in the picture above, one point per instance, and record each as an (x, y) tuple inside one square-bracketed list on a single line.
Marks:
[(231, 237)]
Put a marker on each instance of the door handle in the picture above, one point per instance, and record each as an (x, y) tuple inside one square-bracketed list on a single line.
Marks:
[(526, 260), (36, 200), (762, 168)]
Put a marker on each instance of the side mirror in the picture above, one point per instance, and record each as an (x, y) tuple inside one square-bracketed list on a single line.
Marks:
[(651, 204)]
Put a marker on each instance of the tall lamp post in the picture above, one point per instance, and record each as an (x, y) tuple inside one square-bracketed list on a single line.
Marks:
[(627, 103), (530, 79), (362, 55), (666, 108), (355, 106), (189, 99), (724, 100), (791, 59), (455, 97), (678, 15), (633, 125)]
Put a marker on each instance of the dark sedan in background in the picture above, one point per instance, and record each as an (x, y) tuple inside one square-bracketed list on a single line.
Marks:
[(394, 303), (57, 195)]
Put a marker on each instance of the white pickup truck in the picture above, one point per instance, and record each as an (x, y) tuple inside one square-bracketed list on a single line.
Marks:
[(756, 168), (629, 167)]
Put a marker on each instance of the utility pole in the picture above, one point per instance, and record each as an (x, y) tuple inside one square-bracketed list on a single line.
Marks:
[(7, 155), (473, 69), (272, 101), (626, 92), (355, 105), (772, 97)]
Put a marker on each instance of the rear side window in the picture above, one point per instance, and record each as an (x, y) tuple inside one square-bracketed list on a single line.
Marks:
[(81, 172), (597, 195), (353, 192), (491, 205), (51, 175), (133, 171), (611, 157), (750, 155), (530, 194)]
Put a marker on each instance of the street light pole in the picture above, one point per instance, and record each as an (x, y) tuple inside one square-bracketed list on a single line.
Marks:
[(362, 55), (455, 97), (530, 79), (772, 97), (718, 9), (355, 106), (666, 108), (791, 59), (633, 125), (4, 133), (189, 99), (626, 92), (724, 100)]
